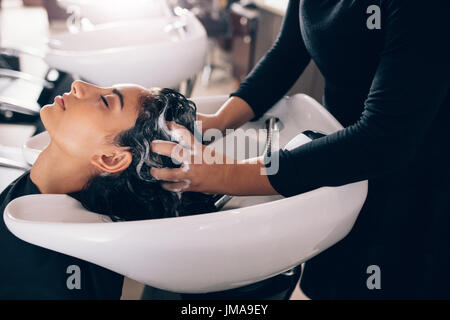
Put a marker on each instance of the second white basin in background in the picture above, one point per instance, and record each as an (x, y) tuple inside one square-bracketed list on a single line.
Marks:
[(150, 52), (102, 11)]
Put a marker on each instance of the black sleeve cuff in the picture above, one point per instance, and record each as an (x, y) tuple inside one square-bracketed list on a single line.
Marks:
[(241, 94), (281, 168)]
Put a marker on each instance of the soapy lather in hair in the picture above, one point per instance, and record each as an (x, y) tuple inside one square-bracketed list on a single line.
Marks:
[(134, 194)]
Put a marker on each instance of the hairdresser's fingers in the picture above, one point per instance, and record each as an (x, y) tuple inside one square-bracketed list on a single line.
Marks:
[(176, 186), (183, 135), (208, 121), (167, 174), (171, 149)]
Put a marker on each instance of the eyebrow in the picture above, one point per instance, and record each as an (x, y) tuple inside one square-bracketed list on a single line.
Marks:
[(119, 94)]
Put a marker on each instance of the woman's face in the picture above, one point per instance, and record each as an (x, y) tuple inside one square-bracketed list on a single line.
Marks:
[(84, 121)]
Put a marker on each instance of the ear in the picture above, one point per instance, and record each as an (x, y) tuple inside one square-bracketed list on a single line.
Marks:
[(115, 162)]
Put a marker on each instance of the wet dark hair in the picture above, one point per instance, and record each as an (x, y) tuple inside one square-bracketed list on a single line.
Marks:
[(134, 194)]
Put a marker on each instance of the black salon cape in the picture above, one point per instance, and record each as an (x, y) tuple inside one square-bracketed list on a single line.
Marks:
[(31, 272), (389, 88)]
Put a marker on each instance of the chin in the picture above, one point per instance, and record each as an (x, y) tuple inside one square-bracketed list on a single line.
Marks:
[(47, 117)]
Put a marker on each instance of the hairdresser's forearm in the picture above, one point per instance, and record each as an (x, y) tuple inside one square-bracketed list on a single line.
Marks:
[(247, 178), (233, 114)]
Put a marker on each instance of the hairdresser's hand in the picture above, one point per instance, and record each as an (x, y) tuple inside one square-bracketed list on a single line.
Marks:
[(209, 121), (206, 122), (233, 113), (204, 170)]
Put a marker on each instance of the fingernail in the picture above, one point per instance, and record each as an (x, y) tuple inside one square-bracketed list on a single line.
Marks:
[(154, 144), (152, 173), (166, 186)]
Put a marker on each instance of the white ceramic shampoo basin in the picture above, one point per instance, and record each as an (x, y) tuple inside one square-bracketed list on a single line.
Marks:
[(160, 52), (102, 11), (252, 239)]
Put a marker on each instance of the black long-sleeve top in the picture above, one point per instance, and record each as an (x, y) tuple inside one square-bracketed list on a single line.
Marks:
[(390, 89), (31, 272), (386, 86)]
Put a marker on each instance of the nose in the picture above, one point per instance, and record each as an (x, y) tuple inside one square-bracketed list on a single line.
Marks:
[(82, 89), (76, 88)]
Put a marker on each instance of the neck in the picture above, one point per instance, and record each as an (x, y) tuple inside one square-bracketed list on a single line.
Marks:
[(58, 173)]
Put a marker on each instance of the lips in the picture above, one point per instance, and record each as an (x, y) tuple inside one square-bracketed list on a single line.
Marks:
[(60, 102)]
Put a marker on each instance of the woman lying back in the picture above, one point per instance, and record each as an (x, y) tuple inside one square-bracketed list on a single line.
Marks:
[(100, 154)]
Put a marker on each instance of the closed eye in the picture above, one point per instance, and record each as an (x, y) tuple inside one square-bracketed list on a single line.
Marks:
[(104, 101)]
